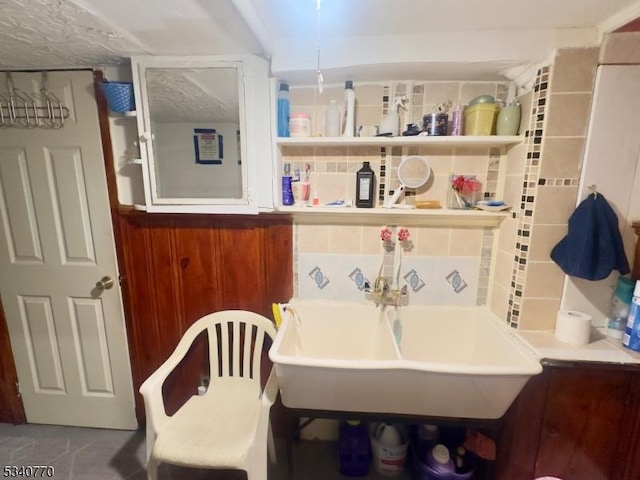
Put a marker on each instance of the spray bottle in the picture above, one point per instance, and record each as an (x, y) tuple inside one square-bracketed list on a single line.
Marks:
[(390, 123)]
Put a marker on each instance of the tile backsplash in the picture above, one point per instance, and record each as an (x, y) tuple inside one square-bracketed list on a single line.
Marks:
[(439, 265), (507, 268), (429, 280)]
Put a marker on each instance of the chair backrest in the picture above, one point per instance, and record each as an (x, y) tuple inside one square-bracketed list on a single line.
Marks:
[(236, 341)]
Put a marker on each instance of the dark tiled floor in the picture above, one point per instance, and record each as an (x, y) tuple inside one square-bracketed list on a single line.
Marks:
[(95, 454), (86, 453)]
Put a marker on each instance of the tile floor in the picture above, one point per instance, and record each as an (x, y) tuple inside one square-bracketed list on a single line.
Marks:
[(95, 454)]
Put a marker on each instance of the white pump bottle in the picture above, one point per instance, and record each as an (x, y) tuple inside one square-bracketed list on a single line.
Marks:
[(350, 107), (390, 123)]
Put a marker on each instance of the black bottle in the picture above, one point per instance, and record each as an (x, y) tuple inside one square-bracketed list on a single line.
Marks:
[(365, 186)]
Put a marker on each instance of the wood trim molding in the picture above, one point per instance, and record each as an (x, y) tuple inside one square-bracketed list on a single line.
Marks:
[(11, 408), (114, 205)]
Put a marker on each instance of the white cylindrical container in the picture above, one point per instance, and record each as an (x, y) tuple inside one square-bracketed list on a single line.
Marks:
[(332, 120), (631, 337), (573, 327), (300, 125), (350, 110), (389, 449)]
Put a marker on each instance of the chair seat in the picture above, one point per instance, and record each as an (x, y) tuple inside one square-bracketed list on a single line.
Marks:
[(212, 430)]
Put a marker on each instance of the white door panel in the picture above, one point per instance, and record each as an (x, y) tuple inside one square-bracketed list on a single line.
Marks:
[(68, 338)]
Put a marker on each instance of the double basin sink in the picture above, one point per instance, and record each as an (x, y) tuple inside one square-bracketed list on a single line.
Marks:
[(440, 361)]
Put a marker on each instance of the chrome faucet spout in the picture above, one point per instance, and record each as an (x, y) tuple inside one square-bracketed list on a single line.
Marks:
[(383, 294), (381, 286)]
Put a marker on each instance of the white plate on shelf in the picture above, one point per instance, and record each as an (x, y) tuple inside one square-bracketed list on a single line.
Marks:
[(491, 207)]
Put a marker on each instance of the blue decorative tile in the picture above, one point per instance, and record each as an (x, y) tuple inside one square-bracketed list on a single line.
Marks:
[(456, 281), (319, 278), (413, 279), (359, 279)]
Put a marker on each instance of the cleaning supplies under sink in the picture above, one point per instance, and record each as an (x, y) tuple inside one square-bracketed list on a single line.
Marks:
[(390, 123)]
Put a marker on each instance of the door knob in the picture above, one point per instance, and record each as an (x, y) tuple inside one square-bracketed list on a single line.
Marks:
[(105, 283)]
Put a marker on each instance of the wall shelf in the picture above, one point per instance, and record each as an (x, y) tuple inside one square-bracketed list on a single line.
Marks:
[(490, 141), (394, 216)]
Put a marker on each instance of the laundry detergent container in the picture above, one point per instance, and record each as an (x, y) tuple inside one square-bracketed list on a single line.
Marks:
[(480, 119)]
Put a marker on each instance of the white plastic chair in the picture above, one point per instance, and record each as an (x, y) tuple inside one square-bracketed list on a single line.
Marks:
[(227, 427)]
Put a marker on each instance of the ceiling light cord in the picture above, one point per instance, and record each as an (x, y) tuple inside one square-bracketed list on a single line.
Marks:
[(319, 71)]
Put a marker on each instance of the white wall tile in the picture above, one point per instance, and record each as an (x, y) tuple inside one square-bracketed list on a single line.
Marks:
[(429, 280)]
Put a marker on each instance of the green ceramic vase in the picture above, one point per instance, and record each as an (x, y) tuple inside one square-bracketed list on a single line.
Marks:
[(508, 120)]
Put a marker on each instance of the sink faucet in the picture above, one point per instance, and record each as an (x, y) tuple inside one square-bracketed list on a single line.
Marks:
[(383, 294)]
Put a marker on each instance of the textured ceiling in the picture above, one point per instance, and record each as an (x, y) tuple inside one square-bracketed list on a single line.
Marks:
[(360, 39), (193, 95), (91, 33), (57, 34)]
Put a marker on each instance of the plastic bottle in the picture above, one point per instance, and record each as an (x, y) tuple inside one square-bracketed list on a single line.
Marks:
[(284, 108), (428, 436), (456, 121), (354, 450), (287, 191), (631, 336), (390, 123), (350, 110), (390, 450), (388, 435), (332, 120), (620, 304), (439, 463), (365, 186), (463, 461)]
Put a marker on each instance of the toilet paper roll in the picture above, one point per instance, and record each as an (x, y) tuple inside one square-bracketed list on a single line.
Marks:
[(573, 327)]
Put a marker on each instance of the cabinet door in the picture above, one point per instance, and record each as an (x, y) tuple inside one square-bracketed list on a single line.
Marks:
[(582, 432), (203, 121), (631, 445)]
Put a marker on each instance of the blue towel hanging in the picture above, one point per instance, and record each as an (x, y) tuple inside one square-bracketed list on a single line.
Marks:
[(593, 246)]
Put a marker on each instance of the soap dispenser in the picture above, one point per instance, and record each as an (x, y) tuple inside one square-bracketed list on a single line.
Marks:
[(390, 123)]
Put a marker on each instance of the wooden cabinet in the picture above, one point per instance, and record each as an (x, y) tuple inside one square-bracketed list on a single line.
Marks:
[(575, 421)]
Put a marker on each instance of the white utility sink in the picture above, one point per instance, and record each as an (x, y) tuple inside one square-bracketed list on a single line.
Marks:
[(460, 362)]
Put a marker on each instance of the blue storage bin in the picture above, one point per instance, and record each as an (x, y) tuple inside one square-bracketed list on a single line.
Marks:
[(119, 96)]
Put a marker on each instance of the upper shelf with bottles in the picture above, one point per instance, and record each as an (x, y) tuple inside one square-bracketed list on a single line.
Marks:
[(488, 141)]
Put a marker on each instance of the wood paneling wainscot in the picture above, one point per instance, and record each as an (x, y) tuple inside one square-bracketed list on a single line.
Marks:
[(177, 268)]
